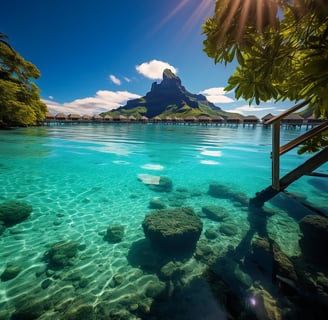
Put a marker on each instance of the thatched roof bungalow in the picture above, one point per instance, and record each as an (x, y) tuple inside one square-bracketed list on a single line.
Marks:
[(132, 118), (60, 116), (120, 118), (267, 117), (233, 120), (292, 120), (74, 117), (108, 118), (251, 120), (97, 118), (50, 116), (144, 119), (86, 117), (218, 120), (156, 119), (190, 119), (204, 119)]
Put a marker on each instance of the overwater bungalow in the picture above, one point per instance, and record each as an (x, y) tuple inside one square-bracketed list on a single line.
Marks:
[(251, 120), (312, 121), (233, 121), (218, 120), (60, 117), (120, 118), (97, 118), (190, 119), (156, 119), (132, 118), (204, 119), (292, 120), (267, 118), (86, 117), (108, 118), (74, 117), (144, 119), (50, 116)]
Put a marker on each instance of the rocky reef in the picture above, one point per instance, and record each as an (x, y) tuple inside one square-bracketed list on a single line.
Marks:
[(173, 229)]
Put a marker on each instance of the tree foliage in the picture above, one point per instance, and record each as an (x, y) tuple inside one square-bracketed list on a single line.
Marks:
[(281, 47), (20, 102)]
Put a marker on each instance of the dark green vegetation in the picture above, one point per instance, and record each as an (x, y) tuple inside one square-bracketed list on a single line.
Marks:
[(280, 57), (169, 99), (20, 102)]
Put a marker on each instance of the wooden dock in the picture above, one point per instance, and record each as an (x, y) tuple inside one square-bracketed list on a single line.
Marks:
[(307, 168)]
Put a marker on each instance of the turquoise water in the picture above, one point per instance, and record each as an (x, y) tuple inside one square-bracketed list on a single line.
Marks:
[(82, 178)]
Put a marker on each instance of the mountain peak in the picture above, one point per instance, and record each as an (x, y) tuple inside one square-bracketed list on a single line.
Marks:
[(169, 97), (167, 73)]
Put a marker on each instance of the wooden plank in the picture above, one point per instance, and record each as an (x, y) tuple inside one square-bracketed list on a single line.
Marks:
[(287, 112), (306, 168), (309, 134), (275, 156)]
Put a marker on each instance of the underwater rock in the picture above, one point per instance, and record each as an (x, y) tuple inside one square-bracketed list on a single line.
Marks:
[(204, 252), (211, 234), (171, 271), (164, 185), (115, 233), (11, 271), (156, 203), (80, 311), (220, 191), (29, 308), (269, 257), (61, 253), (155, 289), (13, 212), (215, 213), (2, 227), (263, 304), (173, 228), (228, 229), (315, 237)]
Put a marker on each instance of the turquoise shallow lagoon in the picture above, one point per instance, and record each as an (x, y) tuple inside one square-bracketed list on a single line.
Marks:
[(80, 179)]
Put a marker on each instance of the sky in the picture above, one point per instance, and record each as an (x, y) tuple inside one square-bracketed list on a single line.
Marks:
[(95, 55)]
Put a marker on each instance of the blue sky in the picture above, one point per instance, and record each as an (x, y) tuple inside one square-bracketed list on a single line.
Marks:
[(94, 55)]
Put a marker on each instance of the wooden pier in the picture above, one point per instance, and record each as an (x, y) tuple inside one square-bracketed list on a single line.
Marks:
[(307, 168)]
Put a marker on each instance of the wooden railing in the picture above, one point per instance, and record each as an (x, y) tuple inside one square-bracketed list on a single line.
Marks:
[(279, 184)]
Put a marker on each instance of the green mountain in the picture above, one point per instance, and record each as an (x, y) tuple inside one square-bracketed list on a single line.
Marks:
[(169, 98)]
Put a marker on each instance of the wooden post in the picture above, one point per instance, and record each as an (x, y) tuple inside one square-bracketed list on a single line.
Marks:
[(275, 155)]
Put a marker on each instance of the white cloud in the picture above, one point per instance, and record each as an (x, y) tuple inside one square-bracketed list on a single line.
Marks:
[(250, 110), (154, 69), (127, 79), (51, 97), (115, 80), (104, 100), (216, 95)]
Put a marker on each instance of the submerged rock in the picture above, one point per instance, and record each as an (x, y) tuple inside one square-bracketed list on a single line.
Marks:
[(156, 203), (2, 227), (215, 213), (315, 237), (11, 271), (173, 228), (228, 229), (115, 234), (220, 191), (61, 253), (13, 212), (164, 185)]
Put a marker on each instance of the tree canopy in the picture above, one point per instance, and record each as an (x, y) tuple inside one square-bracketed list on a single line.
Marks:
[(281, 47), (20, 102)]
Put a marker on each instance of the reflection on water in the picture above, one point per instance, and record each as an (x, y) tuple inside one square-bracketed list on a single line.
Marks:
[(82, 251)]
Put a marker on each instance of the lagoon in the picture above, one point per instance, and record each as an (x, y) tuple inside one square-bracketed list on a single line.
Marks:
[(80, 179)]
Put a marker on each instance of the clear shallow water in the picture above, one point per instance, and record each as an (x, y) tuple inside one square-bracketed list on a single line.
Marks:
[(80, 179)]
